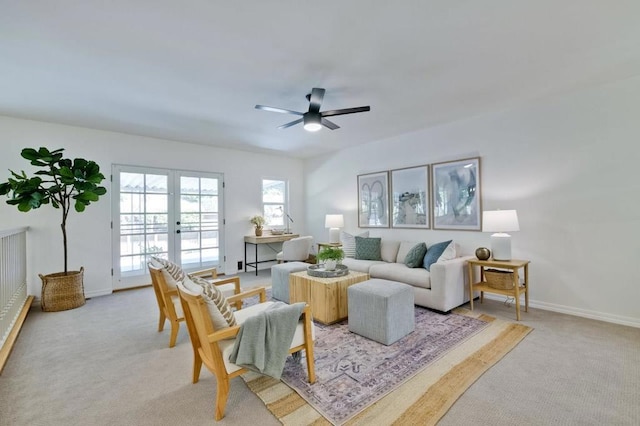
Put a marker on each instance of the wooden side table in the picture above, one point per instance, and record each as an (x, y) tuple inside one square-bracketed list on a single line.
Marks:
[(326, 296), (514, 265)]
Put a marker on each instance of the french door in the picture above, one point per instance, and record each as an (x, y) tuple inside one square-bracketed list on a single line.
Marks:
[(167, 213)]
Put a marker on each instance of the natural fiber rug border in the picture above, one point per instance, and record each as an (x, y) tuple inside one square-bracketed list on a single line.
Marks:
[(424, 398)]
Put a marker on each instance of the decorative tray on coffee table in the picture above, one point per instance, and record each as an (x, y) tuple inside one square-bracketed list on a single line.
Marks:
[(319, 271)]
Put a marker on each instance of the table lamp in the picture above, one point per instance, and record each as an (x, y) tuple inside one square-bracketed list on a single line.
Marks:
[(334, 222), (500, 222)]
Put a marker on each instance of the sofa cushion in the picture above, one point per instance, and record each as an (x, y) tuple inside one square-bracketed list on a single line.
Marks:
[(415, 257), (361, 265), (389, 250), (439, 252), (349, 243), (403, 250), (368, 248), (417, 277)]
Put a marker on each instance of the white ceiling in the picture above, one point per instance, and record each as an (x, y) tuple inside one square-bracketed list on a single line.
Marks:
[(193, 70)]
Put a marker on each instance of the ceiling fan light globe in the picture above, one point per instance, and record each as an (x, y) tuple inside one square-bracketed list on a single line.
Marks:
[(312, 127)]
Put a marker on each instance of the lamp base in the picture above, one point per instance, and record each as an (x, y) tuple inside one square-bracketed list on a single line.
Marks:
[(501, 246), (334, 235)]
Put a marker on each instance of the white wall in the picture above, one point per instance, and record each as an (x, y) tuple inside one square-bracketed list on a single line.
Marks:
[(89, 233), (569, 165)]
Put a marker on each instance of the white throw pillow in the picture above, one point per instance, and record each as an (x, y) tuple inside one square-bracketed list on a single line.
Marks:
[(349, 243), (217, 305), (191, 286), (172, 273)]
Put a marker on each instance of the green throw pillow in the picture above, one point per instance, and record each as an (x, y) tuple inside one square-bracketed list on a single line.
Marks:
[(368, 248), (415, 257)]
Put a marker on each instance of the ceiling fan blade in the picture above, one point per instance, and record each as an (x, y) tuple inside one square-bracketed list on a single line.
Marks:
[(282, 110), (345, 111), (293, 123), (329, 124), (316, 99)]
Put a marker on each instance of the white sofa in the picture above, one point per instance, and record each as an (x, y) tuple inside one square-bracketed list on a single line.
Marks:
[(443, 288)]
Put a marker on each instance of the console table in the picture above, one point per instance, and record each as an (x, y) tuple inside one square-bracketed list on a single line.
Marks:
[(266, 239)]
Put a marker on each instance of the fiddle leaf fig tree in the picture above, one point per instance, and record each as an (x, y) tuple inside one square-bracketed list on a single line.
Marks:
[(60, 181)]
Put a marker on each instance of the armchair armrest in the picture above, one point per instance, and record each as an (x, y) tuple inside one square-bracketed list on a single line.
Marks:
[(227, 333), (258, 291), (449, 282), (205, 273)]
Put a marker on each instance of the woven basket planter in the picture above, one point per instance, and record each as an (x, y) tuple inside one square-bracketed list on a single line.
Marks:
[(61, 292), (497, 278)]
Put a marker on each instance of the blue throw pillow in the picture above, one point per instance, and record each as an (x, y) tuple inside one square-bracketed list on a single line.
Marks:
[(415, 257), (433, 254), (368, 248)]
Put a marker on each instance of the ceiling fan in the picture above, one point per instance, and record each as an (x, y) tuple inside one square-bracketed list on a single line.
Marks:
[(314, 119)]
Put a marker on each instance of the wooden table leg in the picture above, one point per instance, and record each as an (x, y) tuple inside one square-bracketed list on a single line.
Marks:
[(517, 288), (526, 286), (470, 285)]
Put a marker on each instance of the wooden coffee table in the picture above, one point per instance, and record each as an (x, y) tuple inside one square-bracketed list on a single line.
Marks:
[(326, 296)]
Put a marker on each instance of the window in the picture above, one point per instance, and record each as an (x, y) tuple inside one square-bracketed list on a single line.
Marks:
[(275, 206)]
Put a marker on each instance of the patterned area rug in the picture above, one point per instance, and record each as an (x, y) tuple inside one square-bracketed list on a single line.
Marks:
[(359, 380)]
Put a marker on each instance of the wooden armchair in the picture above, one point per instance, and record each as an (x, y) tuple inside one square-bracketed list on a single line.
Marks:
[(213, 347), (168, 300), (168, 303)]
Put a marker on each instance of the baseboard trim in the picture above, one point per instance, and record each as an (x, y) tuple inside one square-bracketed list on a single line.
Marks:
[(570, 310), (5, 351)]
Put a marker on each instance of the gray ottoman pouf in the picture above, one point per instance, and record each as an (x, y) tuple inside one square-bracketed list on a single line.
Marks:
[(280, 278), (381, 310)]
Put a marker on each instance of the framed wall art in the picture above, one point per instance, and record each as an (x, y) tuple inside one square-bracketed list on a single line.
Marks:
[(410, 197), (373, 200), (456, 196)]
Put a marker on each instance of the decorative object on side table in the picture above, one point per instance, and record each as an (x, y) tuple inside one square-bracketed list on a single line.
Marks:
[(63, 183), (330, 256), (483, 253), (334, 222), (500, 222), (258, 221)]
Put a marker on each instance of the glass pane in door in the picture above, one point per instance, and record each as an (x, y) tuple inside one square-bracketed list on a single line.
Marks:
[(199, 225), (142, 220)]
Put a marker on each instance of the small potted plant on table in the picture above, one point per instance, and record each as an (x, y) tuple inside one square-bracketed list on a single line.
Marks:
[(258, 222), (330, 256)]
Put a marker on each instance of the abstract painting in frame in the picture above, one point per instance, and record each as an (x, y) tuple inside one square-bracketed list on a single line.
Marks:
[(456, 195), (410, 197), (373, 200)]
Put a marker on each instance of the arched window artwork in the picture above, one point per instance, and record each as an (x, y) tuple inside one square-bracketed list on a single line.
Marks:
[(373, 200)]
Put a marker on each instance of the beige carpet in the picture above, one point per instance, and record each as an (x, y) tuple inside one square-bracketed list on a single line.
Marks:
[(424, 399)]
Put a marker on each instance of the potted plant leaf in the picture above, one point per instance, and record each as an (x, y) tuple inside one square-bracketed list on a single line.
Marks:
[(64, 184), (330, 256), (258, 222)]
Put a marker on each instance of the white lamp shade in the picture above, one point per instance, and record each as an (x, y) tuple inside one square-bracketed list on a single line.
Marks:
[(500, 221), (334, 221)]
